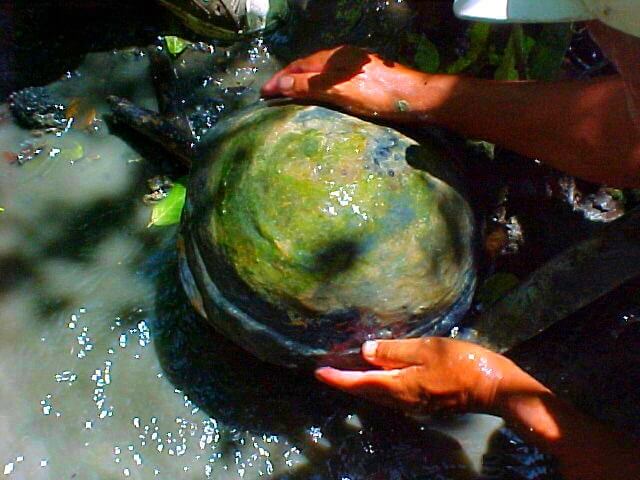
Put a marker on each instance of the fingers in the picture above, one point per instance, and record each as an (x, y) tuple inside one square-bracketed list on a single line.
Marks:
[(391, 354), (327, 68), (312, 64), (398, 388), (427, 375), (289, 85), (382, 386), (271, 89), (349, 380)]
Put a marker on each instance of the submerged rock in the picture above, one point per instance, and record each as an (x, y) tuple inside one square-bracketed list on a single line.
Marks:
[(35, 107), (308, 231)]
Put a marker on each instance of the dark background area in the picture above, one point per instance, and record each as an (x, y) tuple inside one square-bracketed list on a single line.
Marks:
[(40, 40)]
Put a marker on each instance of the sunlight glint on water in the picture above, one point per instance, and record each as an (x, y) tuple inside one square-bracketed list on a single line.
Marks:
[(83, 390)]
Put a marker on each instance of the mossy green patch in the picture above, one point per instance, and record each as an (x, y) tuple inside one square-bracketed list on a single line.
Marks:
[(319, 211)]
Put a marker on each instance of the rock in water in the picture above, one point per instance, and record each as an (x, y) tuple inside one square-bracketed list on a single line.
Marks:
[(307, 231)]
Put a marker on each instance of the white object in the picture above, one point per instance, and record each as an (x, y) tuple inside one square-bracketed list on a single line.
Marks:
[(257, 11), (623, 15)]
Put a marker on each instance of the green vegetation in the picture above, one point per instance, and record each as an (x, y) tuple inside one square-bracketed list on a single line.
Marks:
[(175, 45), (495, 287), (514, 53), (167, 211), (426, 57), (354, 207), (479, 40)]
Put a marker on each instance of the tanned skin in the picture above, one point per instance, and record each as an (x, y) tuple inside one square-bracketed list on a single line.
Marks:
[(430, 375), (590, 129)]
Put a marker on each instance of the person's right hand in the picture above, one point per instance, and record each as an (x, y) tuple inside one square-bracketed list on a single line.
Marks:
[(427, 375), (355, 80)]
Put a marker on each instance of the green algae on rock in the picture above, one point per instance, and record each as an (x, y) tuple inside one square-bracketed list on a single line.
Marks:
[(308, 231)]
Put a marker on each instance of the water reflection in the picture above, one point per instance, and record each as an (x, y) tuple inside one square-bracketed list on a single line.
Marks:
[(340, 437), (107, 373)]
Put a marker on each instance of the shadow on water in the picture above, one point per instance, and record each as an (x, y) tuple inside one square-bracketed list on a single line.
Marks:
[(247, 394), (221, 377), (507, 458), (592, 358), (73, 233), (77, 243)]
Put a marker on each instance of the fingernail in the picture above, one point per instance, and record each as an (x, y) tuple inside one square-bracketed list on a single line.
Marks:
[(285, 83), (324, 373), (369, 348)]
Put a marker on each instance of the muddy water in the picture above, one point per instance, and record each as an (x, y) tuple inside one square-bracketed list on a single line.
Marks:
[(105, 371)]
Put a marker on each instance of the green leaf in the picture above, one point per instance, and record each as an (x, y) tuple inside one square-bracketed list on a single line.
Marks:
[(548, 54), (496, 287), (507, 68), (168, 210), (175, 45), (493, 56), (426, 57), (514, 63), (348, 13), (479, 40), (616, 194)]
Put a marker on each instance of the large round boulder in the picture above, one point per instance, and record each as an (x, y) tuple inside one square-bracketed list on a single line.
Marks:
[(308, 231)]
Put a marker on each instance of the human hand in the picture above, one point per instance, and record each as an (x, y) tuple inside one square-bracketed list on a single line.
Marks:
[(428, 375), (355, 80)]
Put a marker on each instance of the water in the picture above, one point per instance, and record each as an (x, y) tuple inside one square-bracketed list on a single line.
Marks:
[(105, 370)]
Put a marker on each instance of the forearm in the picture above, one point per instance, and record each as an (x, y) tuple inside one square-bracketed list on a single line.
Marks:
[(436, 374), (584, 128), (585, 449)]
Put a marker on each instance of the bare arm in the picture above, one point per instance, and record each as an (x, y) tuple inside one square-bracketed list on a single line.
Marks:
[(584, 128), (585, 449), (440, 374)]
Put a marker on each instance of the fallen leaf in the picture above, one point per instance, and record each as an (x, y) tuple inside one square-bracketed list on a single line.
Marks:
[(168, 210), (175, 45)]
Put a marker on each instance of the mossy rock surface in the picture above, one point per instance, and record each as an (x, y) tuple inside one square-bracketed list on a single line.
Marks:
[(308, 231)]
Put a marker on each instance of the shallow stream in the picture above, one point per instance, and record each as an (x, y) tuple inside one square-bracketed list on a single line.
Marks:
[(105, 370)]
